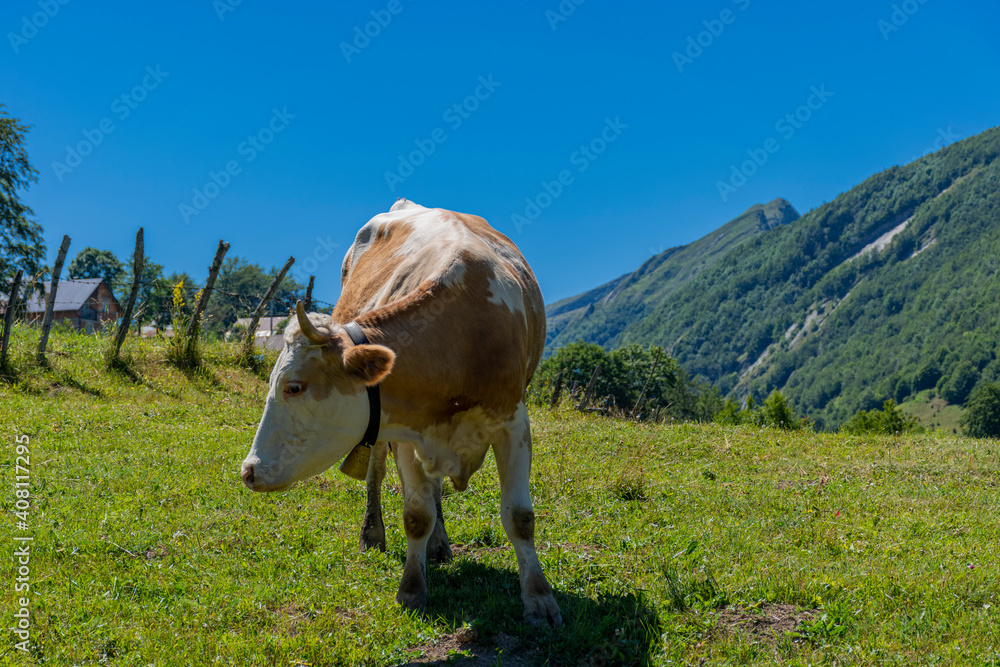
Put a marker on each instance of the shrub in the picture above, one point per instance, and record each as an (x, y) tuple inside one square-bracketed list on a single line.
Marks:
[(890, 420), (982, 413)]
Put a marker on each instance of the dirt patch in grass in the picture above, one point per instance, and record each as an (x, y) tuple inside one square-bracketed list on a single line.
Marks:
[(158, 552), (769, 623), (465, 647)]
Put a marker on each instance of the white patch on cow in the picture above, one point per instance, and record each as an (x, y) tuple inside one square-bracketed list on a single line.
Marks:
[(507, 293), (430, 252), (369, 231), (457, 449), (403, 203), (434, 230)]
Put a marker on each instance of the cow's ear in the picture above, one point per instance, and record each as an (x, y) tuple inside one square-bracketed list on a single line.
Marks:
[(368, 364)]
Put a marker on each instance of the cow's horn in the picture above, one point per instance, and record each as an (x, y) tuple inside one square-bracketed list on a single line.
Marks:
[(308, 328)]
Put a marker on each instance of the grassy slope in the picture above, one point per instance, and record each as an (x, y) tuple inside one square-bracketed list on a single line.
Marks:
[(933, 412), (149, 551)]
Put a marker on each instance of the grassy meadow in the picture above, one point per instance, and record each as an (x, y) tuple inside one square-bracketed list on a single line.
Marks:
[(681, 544)]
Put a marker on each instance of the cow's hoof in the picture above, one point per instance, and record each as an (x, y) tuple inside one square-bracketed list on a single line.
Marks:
[(438, 551), (417, 600), (541, 610), (373, 537)]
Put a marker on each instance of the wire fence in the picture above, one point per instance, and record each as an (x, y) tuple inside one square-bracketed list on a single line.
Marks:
[(36, 300)]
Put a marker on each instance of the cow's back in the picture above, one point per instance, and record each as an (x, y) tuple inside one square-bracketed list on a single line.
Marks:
[(458, 303)]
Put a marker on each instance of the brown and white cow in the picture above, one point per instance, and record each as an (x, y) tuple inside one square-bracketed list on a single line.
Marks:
[(455, 326)]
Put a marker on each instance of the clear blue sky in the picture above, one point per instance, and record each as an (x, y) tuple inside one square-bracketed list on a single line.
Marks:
[(896, 82)]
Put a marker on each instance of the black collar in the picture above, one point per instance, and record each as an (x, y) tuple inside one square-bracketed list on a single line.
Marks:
[(374, 397)]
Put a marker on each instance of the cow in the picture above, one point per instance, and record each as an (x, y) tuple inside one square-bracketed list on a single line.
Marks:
[(439, 327)]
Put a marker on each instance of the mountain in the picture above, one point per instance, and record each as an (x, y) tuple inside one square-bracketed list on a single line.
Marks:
[(889, 290), (601, 314)]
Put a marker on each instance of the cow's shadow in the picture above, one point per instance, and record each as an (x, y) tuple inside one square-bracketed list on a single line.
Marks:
[(613, 629)]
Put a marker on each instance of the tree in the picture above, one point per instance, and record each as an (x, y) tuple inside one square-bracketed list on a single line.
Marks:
[(238, 290), (775, 411), (94, 263), (729, 414), (982, 413), (960, 383), (625, 372), (21, 243)]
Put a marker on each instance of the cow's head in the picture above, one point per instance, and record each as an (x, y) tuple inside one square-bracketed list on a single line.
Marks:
[(317, 407)]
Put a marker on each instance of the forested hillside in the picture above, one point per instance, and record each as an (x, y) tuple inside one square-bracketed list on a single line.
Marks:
[(601, 314), (889, 289)]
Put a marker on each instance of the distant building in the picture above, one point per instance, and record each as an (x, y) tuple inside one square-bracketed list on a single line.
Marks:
[(266, 334), (87, 304)]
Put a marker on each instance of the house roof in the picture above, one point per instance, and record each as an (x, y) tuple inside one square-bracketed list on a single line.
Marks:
[(70, 295), (265, 329), (266, 323)]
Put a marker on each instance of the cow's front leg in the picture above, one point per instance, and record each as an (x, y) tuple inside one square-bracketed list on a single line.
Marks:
[(419, 518), (438, 547), (372, 528), (513, 455)]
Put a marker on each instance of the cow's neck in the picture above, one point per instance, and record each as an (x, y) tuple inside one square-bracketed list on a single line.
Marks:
[(417, 393)]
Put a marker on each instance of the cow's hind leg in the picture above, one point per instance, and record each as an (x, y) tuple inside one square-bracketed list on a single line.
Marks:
[(438, 547), (373, 528), (419, 517), (513, 455)]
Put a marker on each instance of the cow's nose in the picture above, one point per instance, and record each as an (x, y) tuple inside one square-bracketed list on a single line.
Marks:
[(247, 475)]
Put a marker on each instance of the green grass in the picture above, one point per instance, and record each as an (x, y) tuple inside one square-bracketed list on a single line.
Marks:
[(148, 550), (934, 412)]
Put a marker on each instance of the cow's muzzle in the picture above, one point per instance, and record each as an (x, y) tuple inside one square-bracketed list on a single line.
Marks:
[(247, 475)]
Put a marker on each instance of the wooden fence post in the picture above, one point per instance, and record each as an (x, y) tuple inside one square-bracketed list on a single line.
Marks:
[(638, 402), (557, 391), (195, 324), (137, 265), (8, 318), (50, 302), (252, 329), (309, 294), (589, 390)]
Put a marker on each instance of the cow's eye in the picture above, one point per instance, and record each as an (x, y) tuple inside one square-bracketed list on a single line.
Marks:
[(294, 388)]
